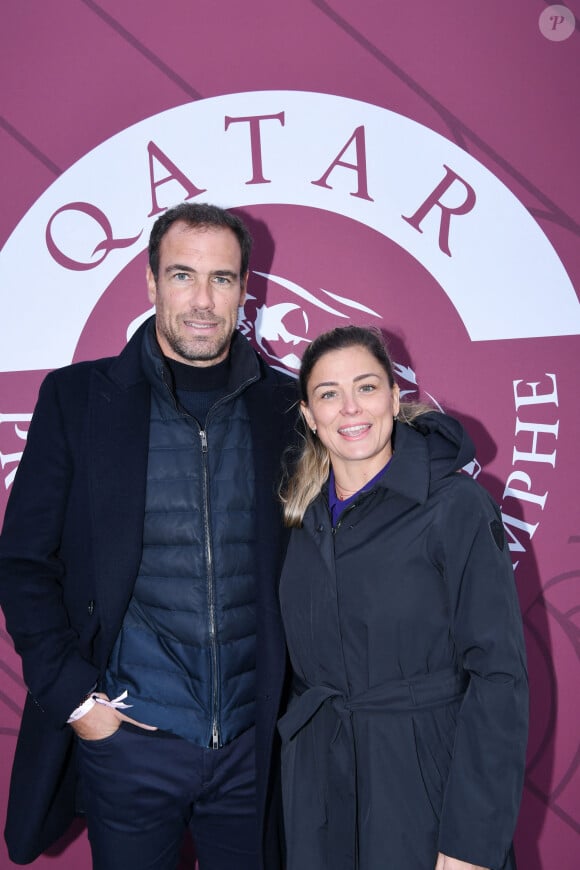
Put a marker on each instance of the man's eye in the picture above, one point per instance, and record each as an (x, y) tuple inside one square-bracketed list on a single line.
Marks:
[(181, 276), (221, 279)]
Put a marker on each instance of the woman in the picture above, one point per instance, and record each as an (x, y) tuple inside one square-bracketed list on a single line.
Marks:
[(405, 735)]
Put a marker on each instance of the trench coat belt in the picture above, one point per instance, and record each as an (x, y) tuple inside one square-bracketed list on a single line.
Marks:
[(393, 696)]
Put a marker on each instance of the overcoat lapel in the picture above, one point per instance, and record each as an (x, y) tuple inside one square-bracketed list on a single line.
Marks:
[(118, 449)]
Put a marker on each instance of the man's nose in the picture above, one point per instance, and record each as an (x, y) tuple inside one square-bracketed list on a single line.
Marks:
[(202, 294)]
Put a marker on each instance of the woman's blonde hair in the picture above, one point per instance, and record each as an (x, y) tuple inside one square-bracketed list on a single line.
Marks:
[(310, 469)]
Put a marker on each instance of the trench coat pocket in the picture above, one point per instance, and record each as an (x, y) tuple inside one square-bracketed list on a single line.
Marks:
[(434, 733), (304, 796)]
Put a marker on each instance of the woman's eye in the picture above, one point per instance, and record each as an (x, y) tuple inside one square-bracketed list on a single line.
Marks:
[(367, 388), (328, 394)]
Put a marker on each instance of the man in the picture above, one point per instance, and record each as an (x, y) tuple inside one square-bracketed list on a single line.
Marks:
[(138, 575)]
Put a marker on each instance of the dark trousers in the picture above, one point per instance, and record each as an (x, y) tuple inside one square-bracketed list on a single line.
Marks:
[(142, 789)]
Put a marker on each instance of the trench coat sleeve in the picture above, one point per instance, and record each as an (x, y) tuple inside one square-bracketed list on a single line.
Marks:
[(32, 572), (483, 791)]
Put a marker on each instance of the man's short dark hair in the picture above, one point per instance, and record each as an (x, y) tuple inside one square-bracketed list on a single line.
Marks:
[(204, 215)]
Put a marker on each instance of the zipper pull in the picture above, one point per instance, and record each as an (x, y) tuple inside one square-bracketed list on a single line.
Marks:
[(215, 742), (203, 437)]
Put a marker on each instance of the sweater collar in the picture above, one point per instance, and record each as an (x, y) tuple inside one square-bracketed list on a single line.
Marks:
[(243, 366)]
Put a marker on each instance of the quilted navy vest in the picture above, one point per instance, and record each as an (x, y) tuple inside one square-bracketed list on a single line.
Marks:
[(186, 650)]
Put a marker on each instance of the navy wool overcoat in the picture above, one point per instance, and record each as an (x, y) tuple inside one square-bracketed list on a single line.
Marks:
[(69, 554)]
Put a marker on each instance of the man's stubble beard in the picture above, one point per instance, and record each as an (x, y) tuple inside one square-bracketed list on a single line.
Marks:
[(197, 353)]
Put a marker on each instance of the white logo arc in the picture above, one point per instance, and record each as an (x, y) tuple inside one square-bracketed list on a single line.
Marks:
[(497, 274)]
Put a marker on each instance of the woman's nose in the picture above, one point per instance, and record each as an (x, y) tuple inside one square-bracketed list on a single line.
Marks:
[(350, 404)]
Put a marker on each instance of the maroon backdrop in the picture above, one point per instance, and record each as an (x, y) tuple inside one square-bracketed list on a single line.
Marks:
[(379, 121)]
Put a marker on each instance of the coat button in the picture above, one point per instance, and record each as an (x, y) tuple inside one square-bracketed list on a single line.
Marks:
[(320, 528), (91, 607)]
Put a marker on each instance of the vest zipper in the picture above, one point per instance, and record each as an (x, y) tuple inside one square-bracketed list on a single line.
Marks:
[(215, 737)]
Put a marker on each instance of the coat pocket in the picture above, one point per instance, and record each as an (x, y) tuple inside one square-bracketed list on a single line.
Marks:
[(434, 734), (303, 781)]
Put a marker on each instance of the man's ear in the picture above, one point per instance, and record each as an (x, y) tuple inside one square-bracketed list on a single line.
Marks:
[(243, 288), (151, 286)]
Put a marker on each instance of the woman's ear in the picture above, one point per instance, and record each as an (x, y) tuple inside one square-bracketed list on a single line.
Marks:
[(396, 400), (307, 414)]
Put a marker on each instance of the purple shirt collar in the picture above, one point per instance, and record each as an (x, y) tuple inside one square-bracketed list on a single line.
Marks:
[(337, 507)]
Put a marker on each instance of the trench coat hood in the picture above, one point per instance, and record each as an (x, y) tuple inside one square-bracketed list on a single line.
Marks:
[(433, 447)]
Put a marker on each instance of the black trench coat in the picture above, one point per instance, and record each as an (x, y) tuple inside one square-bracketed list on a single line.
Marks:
[(407, 727)]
